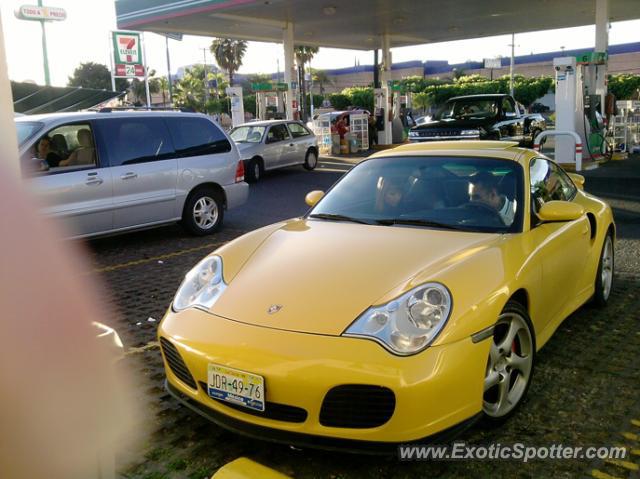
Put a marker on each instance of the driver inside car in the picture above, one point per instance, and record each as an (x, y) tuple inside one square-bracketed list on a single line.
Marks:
[(483, 189)]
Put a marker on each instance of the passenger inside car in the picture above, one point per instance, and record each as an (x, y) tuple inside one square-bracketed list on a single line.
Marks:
[(85, 154)]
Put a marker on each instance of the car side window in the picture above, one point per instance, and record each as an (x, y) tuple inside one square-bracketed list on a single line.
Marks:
[(548, 183), (507, 106), (136, 140), (277, 133), (297, 130), (65, 148), (196, 136)]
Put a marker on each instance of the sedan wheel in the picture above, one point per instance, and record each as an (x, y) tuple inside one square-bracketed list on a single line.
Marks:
[(510, 363), (311, 160)]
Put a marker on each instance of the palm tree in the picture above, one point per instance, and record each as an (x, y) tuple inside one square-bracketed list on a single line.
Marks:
[(321, 78), (303, 55), (228, 54)]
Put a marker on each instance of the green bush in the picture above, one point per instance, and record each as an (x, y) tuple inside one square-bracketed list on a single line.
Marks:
[(624, 85), (360, 97), (340, 101)]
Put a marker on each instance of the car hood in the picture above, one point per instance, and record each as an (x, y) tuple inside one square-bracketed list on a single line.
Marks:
[(454, 124), (323, 275)]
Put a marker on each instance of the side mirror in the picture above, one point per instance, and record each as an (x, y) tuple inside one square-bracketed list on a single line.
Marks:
[(313, 197), (560, 211), (510, 114), (577, 179)]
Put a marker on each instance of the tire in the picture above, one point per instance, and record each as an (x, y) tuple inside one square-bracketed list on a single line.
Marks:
[(311, 160), (604, 275), (203, 212), (253, 170), (509, 365)]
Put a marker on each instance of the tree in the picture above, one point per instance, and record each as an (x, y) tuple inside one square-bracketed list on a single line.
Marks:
[(138, 89), (95, 75), (303, 55), (228, 54), (422, 100), (321, 78), (189, 92)]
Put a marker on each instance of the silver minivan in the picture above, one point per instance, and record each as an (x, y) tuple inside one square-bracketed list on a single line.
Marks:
[(114, 171), (267, 145)]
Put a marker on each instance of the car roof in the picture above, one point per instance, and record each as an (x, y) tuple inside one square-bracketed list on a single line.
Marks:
[(266, 122), (507, 150), (88, 115), (480, 95)]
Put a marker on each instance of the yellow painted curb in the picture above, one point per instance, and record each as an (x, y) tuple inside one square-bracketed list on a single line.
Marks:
[(626, 464), (602, 475), (630, 435), (243, 468)]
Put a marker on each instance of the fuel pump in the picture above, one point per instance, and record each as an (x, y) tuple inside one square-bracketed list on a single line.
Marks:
[(270, 100)]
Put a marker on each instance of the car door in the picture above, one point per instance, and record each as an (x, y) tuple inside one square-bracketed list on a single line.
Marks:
[(144, 169), (561, 247), (302, 139), (277, 146), (78, 190)]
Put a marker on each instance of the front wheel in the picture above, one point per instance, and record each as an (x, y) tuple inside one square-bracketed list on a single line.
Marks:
[(203, 212), (311, 160), (510, 363), (604, 276)]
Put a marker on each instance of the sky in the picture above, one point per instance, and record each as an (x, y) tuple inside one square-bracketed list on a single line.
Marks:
[(84, 36)]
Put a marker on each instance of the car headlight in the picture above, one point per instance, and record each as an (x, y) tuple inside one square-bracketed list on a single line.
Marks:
[(470, 133), (413, 133), (202, 286), (408, 324)]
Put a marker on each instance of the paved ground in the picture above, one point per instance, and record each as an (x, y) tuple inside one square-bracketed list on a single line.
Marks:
[(585, 390)]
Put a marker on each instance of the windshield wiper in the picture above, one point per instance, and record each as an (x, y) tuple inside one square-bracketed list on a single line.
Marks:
[(332, 217), (419, 222)]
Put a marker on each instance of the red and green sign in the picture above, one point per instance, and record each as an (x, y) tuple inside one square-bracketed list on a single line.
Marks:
[(127, 48)]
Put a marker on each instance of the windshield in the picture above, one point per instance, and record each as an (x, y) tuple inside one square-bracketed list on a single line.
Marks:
[(468, 108), (247, 134), (26, 129), (471, 194)]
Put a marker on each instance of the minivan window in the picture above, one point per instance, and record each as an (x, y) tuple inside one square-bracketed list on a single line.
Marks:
[(64, 148), (25, 129), (194, 136), (136, 140)]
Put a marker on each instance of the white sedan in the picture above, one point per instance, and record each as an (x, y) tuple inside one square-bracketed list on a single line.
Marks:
[(267, 145)]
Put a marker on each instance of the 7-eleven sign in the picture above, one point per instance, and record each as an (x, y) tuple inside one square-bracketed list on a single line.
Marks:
[(127, 48)]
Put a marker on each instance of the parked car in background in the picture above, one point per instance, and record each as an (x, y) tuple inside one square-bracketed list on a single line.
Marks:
[(113, 171), (272, 144), (481, 117)]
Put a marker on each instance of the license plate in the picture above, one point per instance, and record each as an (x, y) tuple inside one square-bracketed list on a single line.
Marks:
[(235, 386)]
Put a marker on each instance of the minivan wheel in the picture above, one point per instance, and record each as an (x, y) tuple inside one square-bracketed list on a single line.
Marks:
[(203, 212), (311, 160), (253, 170)]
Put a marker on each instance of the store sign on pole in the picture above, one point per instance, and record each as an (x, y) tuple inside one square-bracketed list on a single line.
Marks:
[(490, 63), (33, 12), (127, 55)]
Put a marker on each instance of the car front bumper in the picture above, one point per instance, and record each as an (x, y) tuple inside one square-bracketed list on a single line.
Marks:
[(436, 390)]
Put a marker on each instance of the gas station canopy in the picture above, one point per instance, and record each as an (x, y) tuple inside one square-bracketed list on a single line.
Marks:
[(359, 24)]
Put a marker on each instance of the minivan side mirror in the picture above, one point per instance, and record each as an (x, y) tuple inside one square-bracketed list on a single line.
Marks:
[(313, 197), (554, 211)]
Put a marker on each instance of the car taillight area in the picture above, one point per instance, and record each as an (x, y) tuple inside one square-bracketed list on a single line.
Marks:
[(240, 172)]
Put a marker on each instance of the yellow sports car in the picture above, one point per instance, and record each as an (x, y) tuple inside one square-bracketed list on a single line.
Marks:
[(409, 301)]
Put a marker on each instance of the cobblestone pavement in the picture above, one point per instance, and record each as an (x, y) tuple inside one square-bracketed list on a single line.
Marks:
[(585, 390)]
